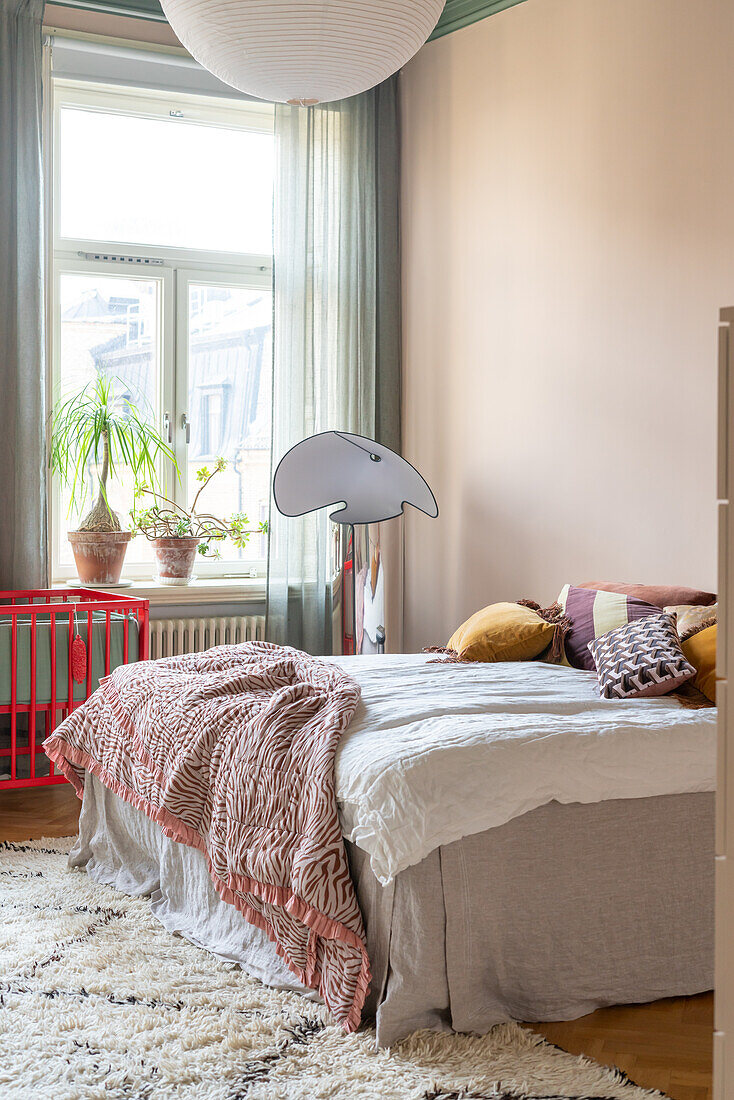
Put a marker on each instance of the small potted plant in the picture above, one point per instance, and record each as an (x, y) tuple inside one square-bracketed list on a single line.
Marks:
[(94, 426), (179, 534)]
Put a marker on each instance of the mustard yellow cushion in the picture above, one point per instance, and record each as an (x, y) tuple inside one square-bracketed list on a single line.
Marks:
[(700, 650), (502, 632)]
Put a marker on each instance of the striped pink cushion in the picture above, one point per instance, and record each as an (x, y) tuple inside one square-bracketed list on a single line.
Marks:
[(591, 614)]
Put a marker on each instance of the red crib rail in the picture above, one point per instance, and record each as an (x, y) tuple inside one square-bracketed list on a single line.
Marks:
[(61, 605)]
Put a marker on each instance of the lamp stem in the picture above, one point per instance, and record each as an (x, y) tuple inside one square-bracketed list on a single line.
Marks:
[(354, 589)]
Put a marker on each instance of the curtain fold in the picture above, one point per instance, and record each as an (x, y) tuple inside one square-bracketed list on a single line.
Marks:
[(336, 359), (22, 341)]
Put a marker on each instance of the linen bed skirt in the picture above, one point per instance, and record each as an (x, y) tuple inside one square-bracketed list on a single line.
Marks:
[(557, 913)]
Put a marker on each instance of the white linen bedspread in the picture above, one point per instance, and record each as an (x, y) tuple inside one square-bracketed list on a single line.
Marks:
[(436, 752)]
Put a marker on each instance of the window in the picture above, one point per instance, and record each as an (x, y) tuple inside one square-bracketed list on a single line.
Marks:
[(126, 177), (162, 216)]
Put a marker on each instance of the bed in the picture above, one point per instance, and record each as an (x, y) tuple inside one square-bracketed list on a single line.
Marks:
[(520, 848)]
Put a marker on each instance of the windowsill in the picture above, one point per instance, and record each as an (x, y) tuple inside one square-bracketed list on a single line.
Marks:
[(225, 590)]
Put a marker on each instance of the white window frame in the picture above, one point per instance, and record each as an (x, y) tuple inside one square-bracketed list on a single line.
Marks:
[(210, 277), (180, 266)]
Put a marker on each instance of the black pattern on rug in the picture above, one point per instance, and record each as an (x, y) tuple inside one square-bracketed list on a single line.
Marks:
[(503, 1094), (299, 1035), (94, 990)]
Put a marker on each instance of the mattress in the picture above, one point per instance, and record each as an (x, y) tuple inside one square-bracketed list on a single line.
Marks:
[(43, 653), (437, 751)]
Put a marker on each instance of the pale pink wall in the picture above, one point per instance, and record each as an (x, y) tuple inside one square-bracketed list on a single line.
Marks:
[(568, 239)]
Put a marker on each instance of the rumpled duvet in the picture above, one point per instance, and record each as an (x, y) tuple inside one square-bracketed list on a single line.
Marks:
[(232, 752)]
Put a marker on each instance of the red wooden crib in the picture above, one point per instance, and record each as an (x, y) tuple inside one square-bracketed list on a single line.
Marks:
[(55, 645)]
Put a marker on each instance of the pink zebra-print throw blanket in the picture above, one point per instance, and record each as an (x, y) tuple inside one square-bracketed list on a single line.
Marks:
[(232, 751)]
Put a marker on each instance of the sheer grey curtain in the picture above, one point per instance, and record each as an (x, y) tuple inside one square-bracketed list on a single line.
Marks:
[(22, 376), (336, 358)]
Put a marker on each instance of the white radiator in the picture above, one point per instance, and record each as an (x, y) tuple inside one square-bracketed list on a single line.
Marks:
[(170, 637)]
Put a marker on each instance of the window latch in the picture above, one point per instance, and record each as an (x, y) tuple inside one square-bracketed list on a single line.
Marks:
[(168, 428), (186, 426)]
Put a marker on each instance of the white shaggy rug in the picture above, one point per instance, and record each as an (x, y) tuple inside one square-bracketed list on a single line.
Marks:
[(98, 1000)]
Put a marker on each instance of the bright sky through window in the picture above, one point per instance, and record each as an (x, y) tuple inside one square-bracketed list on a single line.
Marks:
[(131, 179)]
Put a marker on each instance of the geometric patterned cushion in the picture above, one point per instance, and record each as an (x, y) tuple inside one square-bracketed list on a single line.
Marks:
[(590, 614), (642, 658)]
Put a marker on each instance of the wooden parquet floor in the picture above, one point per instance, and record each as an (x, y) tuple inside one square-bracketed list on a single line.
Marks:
[(666, 1045), (40, 811)]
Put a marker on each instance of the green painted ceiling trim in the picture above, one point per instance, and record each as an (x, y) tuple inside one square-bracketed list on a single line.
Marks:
[(455, 15), (461, 13)]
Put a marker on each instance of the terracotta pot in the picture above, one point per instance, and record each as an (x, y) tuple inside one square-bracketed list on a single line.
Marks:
[(99, 555), (175, 559)]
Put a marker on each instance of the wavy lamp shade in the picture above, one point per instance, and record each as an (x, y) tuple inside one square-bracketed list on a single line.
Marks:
[(370, 482), (302, 51)]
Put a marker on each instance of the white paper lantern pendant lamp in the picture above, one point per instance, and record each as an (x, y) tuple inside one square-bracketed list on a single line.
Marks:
[(302, 51)]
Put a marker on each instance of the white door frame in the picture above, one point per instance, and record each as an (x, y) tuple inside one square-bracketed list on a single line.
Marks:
[(724, 850)]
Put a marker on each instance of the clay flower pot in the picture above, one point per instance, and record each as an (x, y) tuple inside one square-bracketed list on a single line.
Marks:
[(175, 559), (99, 555)]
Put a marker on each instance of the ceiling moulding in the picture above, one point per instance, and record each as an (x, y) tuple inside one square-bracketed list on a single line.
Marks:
[(456, 14), (462, 13)]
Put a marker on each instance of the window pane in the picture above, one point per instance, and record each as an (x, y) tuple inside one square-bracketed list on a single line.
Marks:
[(108, 327), (229, 403), (153, 181)]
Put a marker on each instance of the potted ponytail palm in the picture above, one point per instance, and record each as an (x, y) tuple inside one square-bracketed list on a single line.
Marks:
[(178, 534), (98, 427)]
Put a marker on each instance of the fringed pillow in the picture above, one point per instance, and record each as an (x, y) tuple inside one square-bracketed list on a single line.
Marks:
[(643, 658), (502, 632), (691, 618)]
